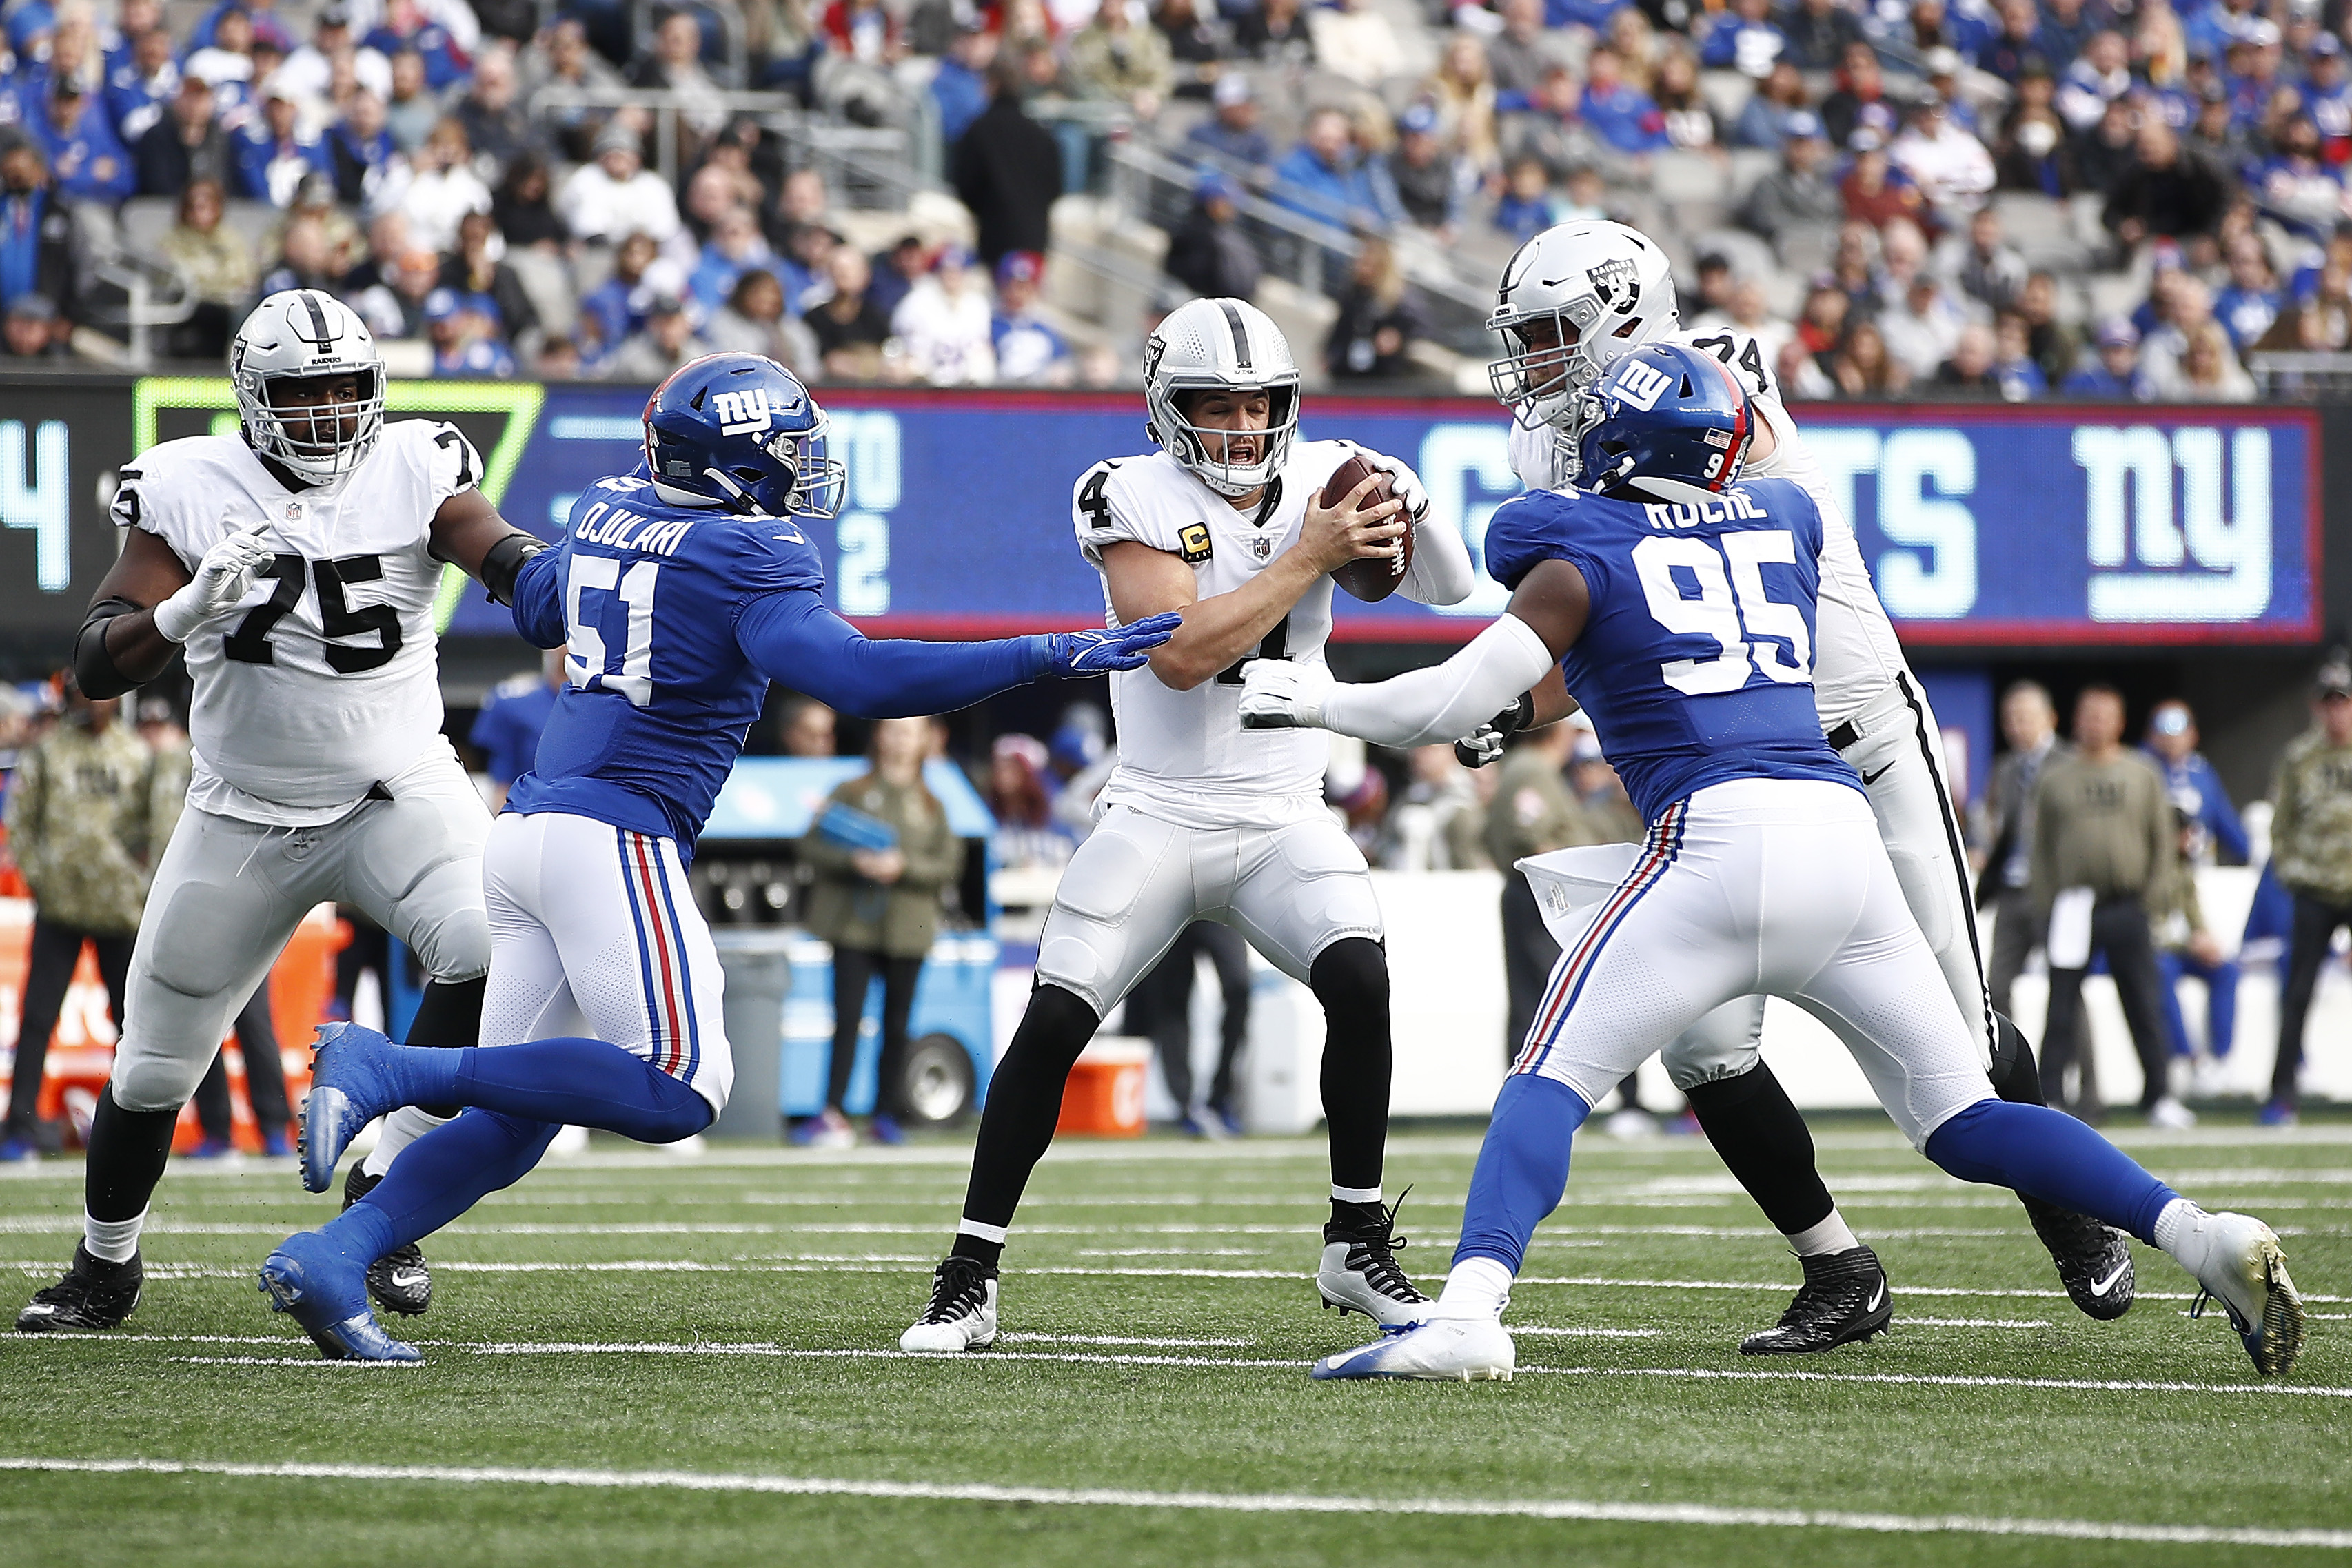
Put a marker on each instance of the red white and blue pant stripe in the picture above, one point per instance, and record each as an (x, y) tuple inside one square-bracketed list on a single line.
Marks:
[(1576, 965), (673, 1031)]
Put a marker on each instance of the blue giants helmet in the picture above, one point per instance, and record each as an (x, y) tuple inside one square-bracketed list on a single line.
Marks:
[(1670, 424), (742, 431)]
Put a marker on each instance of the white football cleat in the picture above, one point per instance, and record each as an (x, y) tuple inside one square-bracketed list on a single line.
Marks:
[(962, 1313), (1358, 1271), (1444, 1350), (2244, 1269)]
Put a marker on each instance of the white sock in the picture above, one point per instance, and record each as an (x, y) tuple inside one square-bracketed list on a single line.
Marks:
[(112, 1240), (2176, 1227), (399, 1130), (1477, 1288), (996, 1233), (1355, 1194), (1829, 1236)]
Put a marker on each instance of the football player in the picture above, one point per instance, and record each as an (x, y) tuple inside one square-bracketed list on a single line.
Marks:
[(1571, 301), (296, 563), (678, 592), (1224, 523), (1678, 605)]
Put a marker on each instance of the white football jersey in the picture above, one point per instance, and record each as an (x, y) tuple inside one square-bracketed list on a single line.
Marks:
[(1185, 756), (327, 679), (1855, 652)]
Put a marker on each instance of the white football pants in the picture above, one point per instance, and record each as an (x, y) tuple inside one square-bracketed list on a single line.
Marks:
[(1760, 886), (595, 931)]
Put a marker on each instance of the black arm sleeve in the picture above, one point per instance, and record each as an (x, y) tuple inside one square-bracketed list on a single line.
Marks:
[(504, 560), (94, 668)]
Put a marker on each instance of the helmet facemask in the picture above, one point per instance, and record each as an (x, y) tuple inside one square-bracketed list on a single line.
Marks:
[(810, 485), (1204, 449), (322, 442)]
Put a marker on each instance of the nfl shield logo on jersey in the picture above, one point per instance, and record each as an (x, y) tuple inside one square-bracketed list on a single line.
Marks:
[(741, 412)]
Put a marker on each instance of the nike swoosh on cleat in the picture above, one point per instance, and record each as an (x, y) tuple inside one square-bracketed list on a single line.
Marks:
[(406, 1277), (2101, 1287), (1877, 1297)]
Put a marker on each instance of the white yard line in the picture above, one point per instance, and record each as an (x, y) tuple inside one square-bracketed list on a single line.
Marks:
[(1661, 1513)]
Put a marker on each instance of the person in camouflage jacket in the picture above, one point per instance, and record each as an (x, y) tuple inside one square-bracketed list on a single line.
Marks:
[(87, 813), (2311, 850)]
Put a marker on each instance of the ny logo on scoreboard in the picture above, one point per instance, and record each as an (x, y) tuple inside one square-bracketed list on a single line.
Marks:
[(741, 412)]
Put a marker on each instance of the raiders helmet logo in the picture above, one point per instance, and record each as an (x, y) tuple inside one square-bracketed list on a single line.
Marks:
[(1616, 285)]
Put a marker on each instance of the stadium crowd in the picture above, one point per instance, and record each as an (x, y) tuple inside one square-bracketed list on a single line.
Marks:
[(460, 174)]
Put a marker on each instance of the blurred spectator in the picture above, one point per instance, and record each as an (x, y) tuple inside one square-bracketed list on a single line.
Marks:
[(496, 127), (310, 69), (407, 29), (1988, 269), (1438, 824), (463, 332), (2016, 374), (442, 187), (1199, 41), (2206, 369), (2055, 345), (665, 342), (1968, 371), (1747, 312), (1820, 35), (2016, 48), (1019, 798), (1533, 813), (895, 271), (1008, 170), (472, 269), (849, 327), (1618, 112), (617, 308), (2186, 948), (1461, 93), (413, 108), (2065, 30), (753, 320), (1526, 208), (2248, 306), (1951, 168), (218, 263), (2311, 851), (1797, 194), (736, 246), (140, 90), (1230, 133), (1276, 33), (1354, 41), (959, 88), (2103, 156), (1924, 329), (564, 63), (87, 163), (1378, 320), (2294, 185), (2033, 155), (944, 325), (305, 260), (1325, 178), (1860, 101), (1771, 109), (1744, 39), (2113, 370), (1820, 320), (226, 61), (1863, 368), (34, 330), (2169, 193), (514, 713), (1709, 287), (368, 165), (1518, 55), (185, 144), (35, 231), (83, 824), (2101, 75), (1801, 374), (1117, 60), (1433, 183), (1209, 253), (1028, 350), (616, 195), (1877, 193), (396, 308), (1690, 123), (275, 150), (521, 210)]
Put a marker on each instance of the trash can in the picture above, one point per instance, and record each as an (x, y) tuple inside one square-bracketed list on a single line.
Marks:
[(758, 977)]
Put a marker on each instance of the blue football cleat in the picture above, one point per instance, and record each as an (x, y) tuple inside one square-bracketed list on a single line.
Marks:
[(1444, 1350), (348, 1090), (326, 1292)]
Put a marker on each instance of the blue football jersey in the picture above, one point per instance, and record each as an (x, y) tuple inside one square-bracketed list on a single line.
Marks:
[(1696, 662), (657, 694)]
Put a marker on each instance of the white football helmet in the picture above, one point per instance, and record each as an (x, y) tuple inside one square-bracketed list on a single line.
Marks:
[(1228, 345), (295, 335), (1602, 287)]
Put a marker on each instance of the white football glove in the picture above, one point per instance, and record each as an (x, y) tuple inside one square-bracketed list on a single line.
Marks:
[(1279, 694), (223, 579), (1403, 482)]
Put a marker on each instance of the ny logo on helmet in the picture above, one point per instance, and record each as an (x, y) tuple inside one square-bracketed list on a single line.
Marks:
[(1641, 385), (1614, 282), (741, 412)]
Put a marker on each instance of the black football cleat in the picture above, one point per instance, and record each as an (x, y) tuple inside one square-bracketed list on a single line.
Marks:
[(2095, 1260), (1844, 1301), (1358, 1271), (399, 1280), (94, 1296)]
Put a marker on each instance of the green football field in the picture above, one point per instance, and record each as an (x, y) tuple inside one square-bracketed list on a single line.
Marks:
[(638, 1357)]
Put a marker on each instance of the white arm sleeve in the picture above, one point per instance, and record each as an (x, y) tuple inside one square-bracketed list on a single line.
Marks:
[(1440, 572), (1422, 707)]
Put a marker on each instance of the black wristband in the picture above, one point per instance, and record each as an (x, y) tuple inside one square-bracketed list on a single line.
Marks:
[(1518, 717), (94, 670), (504, 562)]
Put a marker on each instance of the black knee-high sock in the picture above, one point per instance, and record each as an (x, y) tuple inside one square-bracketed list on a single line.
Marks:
[(128, 1150), (2015, 1076), (1024, 1101), (1351, 980), (449, 1015), (1756, 1129)]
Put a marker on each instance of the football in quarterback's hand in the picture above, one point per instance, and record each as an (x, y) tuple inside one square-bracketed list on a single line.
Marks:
[(1370, 577)]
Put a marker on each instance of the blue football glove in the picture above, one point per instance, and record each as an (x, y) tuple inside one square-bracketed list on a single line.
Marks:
[(1074, 655)]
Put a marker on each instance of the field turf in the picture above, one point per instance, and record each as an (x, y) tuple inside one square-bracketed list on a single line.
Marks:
[(636, 1358)]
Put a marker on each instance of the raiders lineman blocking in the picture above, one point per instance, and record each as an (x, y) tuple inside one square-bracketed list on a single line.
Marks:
[(1201, 820), (321, 772), (1571, 301)]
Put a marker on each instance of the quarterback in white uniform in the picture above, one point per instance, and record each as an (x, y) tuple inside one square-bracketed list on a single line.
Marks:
[(296, 563), (1203, 820), (1572, 300)]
